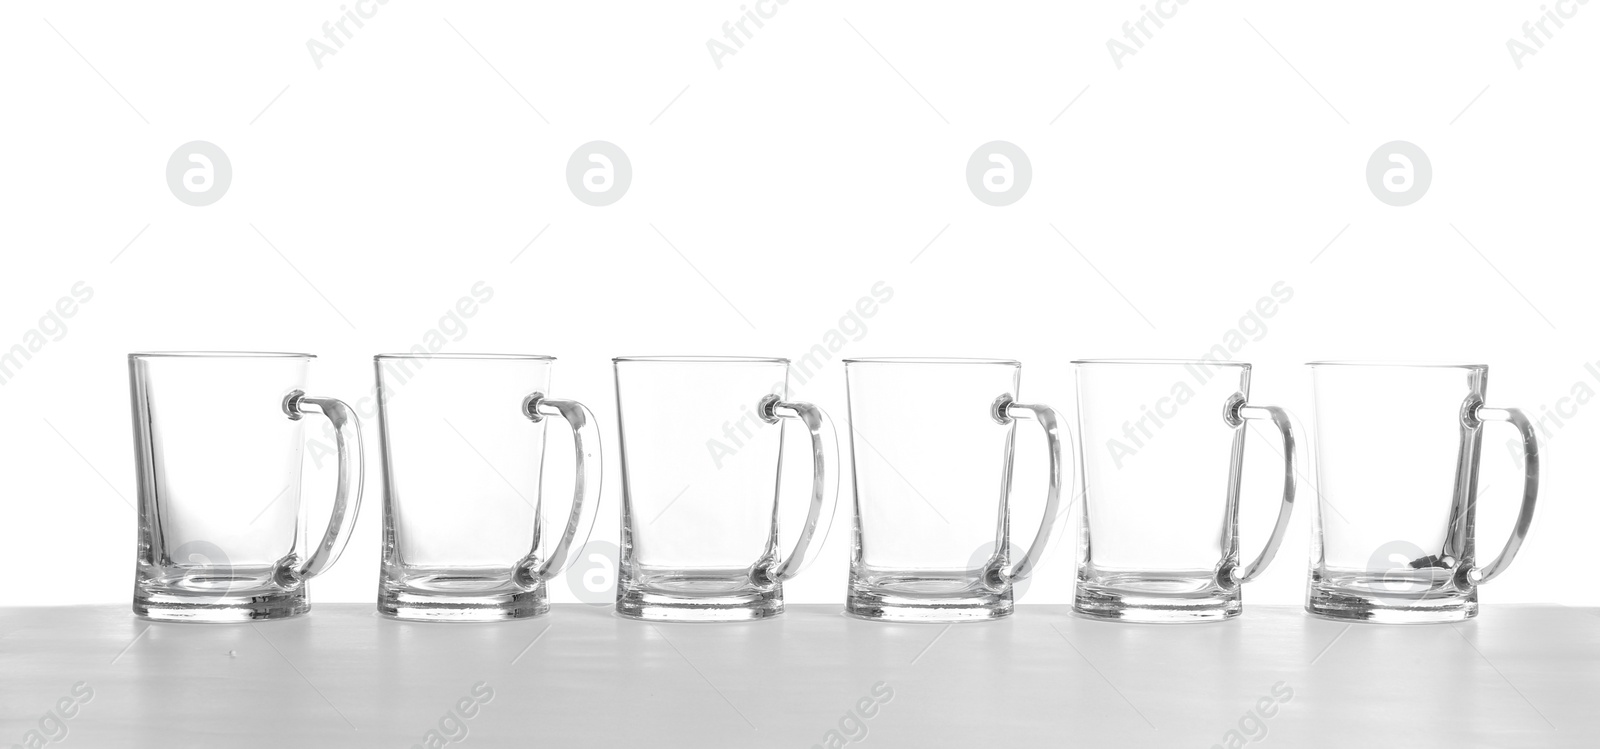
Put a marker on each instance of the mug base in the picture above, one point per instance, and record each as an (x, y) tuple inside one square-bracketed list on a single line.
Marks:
[(166, 607), (1346, 606), (636, 603), (924, 595), (410, 605), (891, 607), (1157, 600)]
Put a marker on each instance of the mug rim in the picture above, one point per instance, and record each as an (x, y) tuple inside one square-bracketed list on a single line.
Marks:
[(929, 360), (1161, 362), (219, 355), (490, 357), (1376, 364), (694, 359)]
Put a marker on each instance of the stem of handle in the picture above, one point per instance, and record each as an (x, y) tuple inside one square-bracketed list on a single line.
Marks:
[(1005, 410), (585, 489), (1237, 415), (346, 499), (824, 484), (1530, 488)]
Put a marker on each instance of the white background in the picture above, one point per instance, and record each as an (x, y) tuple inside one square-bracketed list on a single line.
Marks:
[(805, 170)]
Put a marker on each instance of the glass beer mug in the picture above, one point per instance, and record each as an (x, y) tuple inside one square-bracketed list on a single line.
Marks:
[(463, 439), (932, 441), (217, 440), (1163, 457), (1397, 450), (702, 439)]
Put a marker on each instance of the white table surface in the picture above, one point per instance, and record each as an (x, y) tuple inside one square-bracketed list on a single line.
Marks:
[(1517, 676)]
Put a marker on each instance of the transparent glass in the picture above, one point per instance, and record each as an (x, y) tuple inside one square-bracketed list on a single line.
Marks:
[(1162, 455), (217, 443), (1393, 537), (931, 442), (702, 440), (463, 439)]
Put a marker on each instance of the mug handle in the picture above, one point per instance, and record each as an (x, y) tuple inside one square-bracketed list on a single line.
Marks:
[(824, 484), (585, 490), (346, 499), (1237, 413), (1005, 411), (1476, 415)]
